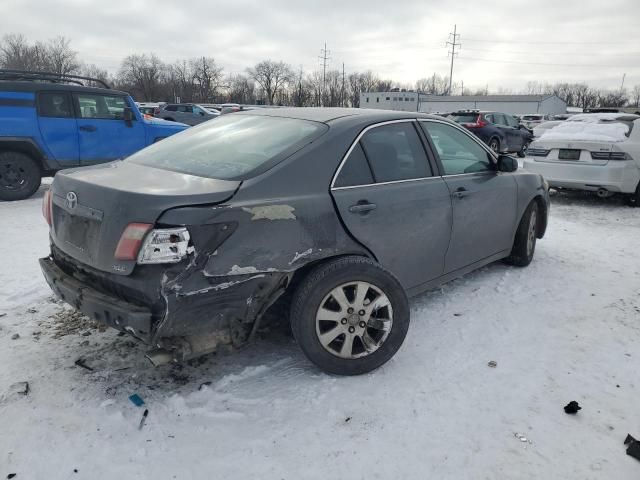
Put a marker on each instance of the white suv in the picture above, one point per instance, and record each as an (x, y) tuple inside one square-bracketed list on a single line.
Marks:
[(599, 152)]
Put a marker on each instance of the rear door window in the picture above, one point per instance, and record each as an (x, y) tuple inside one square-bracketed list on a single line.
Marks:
[(511, 121), (105, 107), (498, 119), (356, 170), (233, 147), (458, 152), (395, 152), (55, 104)]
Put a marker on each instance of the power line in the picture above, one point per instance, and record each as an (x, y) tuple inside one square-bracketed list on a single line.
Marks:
[(453, 41), (539, 63), (523, 52), (536, 42), (324, 57)]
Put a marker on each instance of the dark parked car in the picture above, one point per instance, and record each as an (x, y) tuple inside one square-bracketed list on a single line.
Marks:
[(343, 212), (503, 133), (49, 122), (188, 113)]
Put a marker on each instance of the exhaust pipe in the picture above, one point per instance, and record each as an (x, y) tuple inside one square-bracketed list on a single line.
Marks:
[(604, 193), (160, 356)]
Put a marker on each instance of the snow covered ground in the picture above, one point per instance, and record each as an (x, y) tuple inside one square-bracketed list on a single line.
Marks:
[(566, 328)]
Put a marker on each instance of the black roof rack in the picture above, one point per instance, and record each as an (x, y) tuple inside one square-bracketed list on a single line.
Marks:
[(48, 77)]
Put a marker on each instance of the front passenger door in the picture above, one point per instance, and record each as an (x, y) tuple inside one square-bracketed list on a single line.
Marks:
[(484, 199), (390, 201)]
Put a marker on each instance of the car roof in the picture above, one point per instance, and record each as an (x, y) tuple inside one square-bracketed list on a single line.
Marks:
[(329, 114), (16, 86)]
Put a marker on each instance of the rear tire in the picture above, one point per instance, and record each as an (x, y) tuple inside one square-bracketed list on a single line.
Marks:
[(327, 304), (633, 199), (20, 176), (524, 244)]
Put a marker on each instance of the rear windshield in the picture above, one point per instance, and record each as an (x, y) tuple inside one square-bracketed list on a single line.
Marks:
[(231, 146), (464, 117)]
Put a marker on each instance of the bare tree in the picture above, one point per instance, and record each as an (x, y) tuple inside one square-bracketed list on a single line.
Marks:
[(240, 89), (635, 96), (60, 57), (143, 74), (271, 76), (94, 71), (17, 54), (207, 77)]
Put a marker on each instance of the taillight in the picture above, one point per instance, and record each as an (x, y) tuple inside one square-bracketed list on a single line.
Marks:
[(46, 206), (479, 123), (130, 241), (166, 245)]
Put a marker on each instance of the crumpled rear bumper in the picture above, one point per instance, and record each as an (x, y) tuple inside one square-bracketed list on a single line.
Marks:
[(103, 308)]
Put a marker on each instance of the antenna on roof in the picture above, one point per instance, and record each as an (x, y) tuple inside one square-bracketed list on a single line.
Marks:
[(25, 75)]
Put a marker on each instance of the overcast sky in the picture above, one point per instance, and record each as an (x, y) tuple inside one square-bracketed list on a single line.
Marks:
[(504, 42)]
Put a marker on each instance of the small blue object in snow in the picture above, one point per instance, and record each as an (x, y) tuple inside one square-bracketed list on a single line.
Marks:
[(136, 400)]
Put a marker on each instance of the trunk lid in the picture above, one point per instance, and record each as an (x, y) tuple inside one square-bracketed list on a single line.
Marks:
[(559, 151), (93, 205)]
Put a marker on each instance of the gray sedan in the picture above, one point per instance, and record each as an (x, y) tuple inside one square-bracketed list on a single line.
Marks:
[(188, 113), (337, 214)]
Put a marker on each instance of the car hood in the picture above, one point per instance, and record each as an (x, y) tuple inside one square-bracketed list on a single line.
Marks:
[(109, 196), (161, 122)]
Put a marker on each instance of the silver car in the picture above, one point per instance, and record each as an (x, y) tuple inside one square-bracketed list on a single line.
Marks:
[(188, 113)]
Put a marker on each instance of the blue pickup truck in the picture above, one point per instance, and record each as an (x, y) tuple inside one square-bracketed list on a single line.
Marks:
[(49, 122)]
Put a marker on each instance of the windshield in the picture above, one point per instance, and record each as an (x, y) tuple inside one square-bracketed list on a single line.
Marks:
[(231, 146)]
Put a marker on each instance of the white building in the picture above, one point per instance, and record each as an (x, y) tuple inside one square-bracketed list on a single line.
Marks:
[(512, 104)]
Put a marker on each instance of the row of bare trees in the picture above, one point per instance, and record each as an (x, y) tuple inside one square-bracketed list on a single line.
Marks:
[(200, 79)]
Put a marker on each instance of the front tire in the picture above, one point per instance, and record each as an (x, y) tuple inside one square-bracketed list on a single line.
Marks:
[(20, 176), (524, 244), (349, 316)]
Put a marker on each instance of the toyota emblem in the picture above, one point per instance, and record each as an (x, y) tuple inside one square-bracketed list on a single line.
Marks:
[(72, 200)]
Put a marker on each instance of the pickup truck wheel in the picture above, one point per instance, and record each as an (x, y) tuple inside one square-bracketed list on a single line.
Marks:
[(20, 176), (349, 316), (524, 245)]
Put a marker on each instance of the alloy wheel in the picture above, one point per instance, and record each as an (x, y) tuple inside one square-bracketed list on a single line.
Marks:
[(354, 320), (531, 232)]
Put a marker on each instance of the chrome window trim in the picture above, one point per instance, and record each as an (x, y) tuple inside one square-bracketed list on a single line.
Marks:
[(353, 145), (437, 177)]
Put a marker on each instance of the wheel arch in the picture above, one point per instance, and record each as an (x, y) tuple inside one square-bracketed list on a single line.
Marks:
[(28, 147), (543, 218)]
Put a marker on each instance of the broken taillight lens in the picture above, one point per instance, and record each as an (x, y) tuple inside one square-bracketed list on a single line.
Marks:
[(130, 241), (166, 245), (46, 206)]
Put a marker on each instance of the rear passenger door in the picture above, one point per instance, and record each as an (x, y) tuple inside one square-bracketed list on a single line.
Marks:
[(58, 127), (391, 202), (510, 133), (484, 199)]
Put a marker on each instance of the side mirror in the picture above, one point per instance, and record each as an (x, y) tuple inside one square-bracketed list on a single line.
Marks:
[(128, 116), (507, 163)]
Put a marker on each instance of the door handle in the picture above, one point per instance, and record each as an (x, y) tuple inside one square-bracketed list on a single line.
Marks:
[(460, 192), (88, 128), (362, 207)]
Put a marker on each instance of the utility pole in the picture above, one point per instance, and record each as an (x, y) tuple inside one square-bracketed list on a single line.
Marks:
[(622, 85), (342, 93), (462, 93), (324, 57), (453, 41)]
